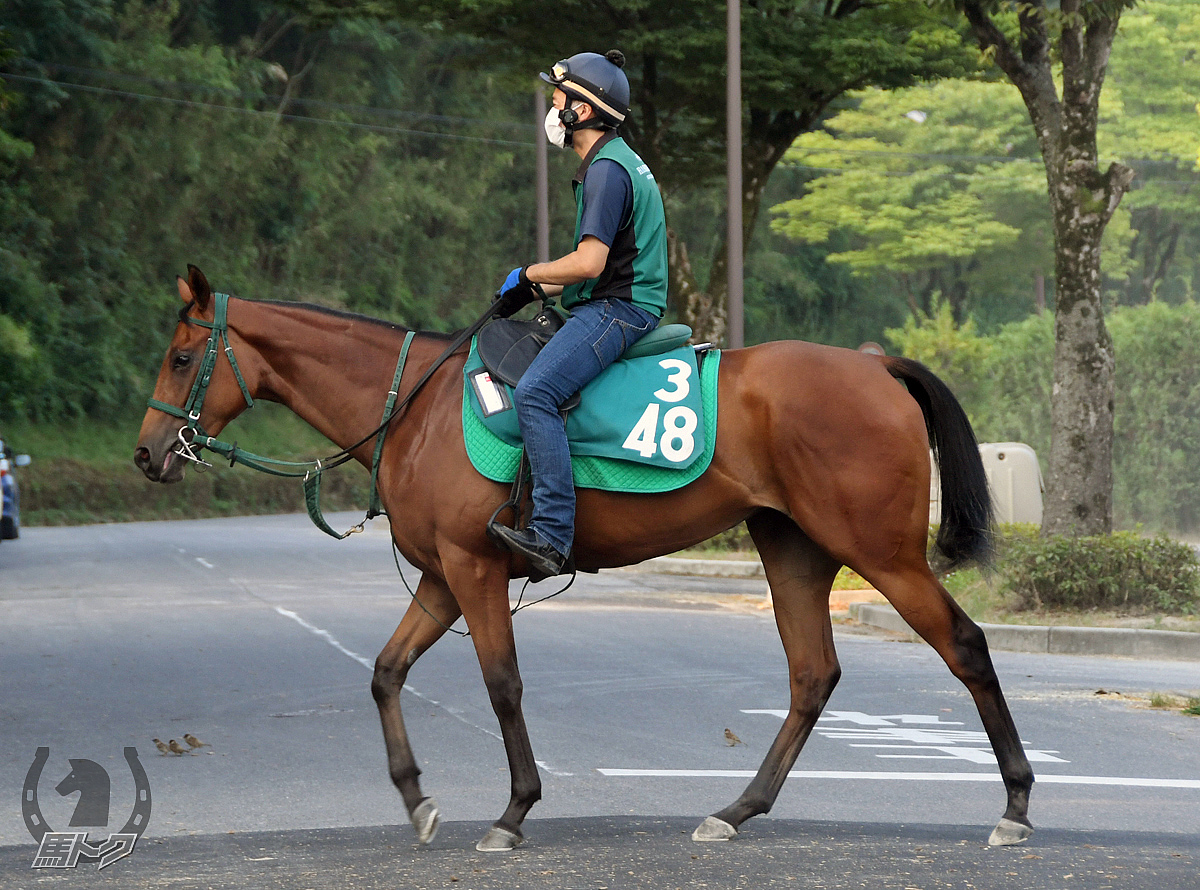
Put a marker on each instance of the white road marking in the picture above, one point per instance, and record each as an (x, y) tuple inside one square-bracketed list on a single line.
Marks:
[(370, 665), (1042, 779), (912, 732), (326, 636)]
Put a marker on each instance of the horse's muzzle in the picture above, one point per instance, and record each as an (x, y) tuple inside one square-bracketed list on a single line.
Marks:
[(167, 468)]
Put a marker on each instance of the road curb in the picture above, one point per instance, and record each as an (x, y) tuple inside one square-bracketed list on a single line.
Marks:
[(1129, 642), (710, 568), (1169, 645)]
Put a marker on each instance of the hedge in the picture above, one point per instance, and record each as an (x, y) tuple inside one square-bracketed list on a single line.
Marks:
[(61, 491), (1122, 572)]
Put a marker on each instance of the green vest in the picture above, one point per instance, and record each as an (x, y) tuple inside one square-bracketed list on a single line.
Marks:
[(636, 268)]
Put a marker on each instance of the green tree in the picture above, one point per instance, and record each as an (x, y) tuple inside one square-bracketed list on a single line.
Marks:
[(936, 191), (799, 56), (339, 161), (954, 352), (1149, 116)]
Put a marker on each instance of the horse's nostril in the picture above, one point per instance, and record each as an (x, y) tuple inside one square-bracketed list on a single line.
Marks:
[(141, 456)]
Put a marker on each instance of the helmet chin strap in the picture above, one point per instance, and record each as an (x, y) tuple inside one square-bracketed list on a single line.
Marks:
[(592, 123)]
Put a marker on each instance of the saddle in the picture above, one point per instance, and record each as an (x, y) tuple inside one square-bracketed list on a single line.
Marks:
[(507, 346)]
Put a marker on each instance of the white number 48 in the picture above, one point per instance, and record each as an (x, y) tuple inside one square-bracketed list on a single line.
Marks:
[(679, 423)]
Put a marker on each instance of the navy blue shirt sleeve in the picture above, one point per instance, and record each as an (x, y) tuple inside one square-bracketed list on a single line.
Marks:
[(607, 200)]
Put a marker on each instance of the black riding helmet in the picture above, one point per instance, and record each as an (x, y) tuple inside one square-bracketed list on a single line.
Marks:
[(597, 80)]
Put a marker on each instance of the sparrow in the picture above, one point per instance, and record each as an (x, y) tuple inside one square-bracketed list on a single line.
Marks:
[(731, 739), (194, 742), (175, 746), (161, 746)]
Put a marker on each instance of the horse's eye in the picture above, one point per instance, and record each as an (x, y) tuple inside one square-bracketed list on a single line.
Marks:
[(181, 361)]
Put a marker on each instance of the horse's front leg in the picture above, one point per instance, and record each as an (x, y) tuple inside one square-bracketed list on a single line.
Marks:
[(800, 575), (482, 589), (427, 618)]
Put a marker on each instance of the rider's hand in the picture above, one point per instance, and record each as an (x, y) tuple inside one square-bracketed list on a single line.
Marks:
[(515, 293)]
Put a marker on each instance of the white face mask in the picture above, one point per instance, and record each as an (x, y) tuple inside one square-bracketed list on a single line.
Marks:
[(556, 132)]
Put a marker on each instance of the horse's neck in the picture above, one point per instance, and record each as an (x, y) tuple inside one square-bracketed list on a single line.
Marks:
[(332, 370)]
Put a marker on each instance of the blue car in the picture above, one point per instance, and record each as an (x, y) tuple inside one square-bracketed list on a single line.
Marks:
[(10, 495)]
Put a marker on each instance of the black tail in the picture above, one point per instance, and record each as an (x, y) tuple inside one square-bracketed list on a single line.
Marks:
[(965, 534)]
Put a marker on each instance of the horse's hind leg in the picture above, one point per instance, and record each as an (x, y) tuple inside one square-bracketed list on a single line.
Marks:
[(924, 603), (800, 575), (418, 630)]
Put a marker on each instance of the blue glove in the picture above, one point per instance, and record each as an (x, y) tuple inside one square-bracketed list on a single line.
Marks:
[(513, 279), (515, 293)]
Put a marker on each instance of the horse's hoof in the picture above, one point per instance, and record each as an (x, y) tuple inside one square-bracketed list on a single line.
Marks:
[(1007, 832), (425, 819), (714, 829), (498, 840)]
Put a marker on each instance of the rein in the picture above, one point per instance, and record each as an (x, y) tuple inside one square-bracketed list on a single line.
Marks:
[(192, 436)]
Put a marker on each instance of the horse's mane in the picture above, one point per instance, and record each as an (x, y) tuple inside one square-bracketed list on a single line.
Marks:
[(336, 313)]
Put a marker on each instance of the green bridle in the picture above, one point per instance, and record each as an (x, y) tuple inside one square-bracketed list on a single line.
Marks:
[(192, 435), (191, 409)]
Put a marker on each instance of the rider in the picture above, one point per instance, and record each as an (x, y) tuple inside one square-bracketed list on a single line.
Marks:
[(614, 283)]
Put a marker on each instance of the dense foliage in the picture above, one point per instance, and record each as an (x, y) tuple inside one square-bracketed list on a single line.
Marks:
[(351, 164), (1004, 381)]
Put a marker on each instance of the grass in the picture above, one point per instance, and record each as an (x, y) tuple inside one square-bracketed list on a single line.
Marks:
[(982, 598), (1166, 701), (267, 428)]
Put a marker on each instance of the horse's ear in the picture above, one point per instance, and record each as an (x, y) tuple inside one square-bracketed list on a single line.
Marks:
[(185, 292), (198, 285)]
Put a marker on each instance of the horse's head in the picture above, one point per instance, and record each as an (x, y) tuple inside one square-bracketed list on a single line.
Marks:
[(181, 407)]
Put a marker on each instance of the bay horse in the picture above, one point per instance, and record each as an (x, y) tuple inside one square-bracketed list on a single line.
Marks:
[(823, 452)]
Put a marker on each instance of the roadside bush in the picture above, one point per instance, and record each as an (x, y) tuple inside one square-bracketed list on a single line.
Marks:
[(61, 491), (1123, 572), (734, 540)]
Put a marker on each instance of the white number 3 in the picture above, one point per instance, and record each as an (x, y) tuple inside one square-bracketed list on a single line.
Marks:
[(679, 379)]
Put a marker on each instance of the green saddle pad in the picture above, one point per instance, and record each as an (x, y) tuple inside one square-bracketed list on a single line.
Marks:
[(642, 426)]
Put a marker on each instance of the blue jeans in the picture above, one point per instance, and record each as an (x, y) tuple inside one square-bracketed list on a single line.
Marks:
[(592, 339)]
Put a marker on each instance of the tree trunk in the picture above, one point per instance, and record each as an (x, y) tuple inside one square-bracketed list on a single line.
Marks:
[(703, 310), (1079, 496), (1080, 480), (1079, 483)]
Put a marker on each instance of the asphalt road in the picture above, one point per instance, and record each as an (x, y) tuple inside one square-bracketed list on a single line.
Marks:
[(257, 636)]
